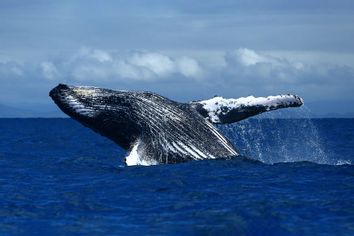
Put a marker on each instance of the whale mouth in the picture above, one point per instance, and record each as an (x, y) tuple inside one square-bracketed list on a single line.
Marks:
[(70, 100)]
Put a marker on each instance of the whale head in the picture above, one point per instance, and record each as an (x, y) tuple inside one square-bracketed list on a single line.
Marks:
[(106, 111)]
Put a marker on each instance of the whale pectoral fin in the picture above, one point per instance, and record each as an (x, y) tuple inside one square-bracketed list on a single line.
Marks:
[(219, 110)]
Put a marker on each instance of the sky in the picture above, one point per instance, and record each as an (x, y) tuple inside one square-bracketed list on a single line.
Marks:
[(185, 50)]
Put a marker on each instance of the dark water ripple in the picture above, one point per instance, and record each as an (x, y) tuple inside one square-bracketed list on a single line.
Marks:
[(58, 178)]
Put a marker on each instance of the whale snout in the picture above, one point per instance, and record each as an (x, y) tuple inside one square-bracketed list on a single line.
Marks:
[(59, 91), (72, 100)]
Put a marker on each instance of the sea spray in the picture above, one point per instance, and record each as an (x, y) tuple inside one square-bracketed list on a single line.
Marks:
[(280, 136)]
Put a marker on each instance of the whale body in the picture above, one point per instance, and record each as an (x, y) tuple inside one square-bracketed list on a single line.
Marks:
[(157, 130)]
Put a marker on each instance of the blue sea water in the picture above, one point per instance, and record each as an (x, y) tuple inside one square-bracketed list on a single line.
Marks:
[(60, 178)]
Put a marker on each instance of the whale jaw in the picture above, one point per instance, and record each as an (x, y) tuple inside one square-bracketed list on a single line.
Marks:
[(104, 111)]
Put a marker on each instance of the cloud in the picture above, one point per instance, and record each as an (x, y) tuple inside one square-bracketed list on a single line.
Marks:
[(234, 73), (244, 66), (10, 70), (49, 70), (159, 64), (241, 66), (246, 57), (189, 67), (248, 66), (93, 64)]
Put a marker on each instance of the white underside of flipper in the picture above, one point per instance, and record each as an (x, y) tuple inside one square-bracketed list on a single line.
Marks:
[(217, 107), (135, 157)]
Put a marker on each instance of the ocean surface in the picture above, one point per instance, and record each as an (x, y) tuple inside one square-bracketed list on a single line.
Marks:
[(60, 178)]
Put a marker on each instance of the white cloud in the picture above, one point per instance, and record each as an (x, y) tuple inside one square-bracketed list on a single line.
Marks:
[(93, 64), (248, 65), (101, 56), (127, 70), (49, 70), (247, 57), (86, 53), (236, 73), (189, 67), (11, 69), (160, 64)]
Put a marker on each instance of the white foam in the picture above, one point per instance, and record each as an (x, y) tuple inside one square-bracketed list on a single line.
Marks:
[(343, 162), (134, 158)]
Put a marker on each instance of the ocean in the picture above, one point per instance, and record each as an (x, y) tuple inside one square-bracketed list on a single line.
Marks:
[(60, 178)]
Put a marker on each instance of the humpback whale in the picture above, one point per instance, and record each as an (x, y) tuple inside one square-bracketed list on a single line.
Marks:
[(156, 130)]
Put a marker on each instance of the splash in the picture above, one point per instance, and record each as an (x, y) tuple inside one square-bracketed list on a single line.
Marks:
[(280, 136)]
